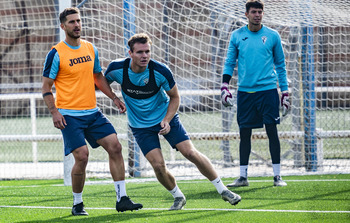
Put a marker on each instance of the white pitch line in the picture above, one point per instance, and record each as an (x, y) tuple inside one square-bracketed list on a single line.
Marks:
[(190, 209), (182, 181)]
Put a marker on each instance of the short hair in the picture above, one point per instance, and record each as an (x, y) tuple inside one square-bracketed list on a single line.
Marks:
[(139, 38), (68, 11), (259, 4)]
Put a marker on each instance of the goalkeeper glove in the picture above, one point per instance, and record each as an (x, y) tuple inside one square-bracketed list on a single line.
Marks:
[(226, 96), (285, 103)]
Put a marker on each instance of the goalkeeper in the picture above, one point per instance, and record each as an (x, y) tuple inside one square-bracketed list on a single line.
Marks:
[(152, 100), (261, 63)]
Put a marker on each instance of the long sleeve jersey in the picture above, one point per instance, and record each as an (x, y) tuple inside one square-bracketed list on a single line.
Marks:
[(260, 59)]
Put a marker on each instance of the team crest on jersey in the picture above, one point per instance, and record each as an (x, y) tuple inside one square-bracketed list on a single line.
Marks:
[(145, 81), (263, 39)]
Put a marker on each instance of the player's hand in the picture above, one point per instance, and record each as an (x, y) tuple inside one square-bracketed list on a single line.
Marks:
[(226, 96), (120, 105), (165, 128), (58, 120), (285, 103)]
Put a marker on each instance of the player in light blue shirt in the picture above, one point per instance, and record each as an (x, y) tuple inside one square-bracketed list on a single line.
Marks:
[(259, 56), (152, 100), (154, 108), (258, 52)]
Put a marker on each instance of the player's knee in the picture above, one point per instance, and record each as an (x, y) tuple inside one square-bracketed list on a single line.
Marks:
[(82, 158), (188, 150), (271, 128), (114, 149), (81, 155), (271, 131), (159, 167), (191, 154)]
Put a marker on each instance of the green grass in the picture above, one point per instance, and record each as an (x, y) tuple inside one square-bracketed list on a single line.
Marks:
[(312, 198)]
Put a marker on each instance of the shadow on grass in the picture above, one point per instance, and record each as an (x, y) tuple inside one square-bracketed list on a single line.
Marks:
[(289, 195), (139, 216)]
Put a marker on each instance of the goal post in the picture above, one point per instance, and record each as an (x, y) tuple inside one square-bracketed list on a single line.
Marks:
[(191, 37)]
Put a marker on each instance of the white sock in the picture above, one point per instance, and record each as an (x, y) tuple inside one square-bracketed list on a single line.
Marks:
[(276, 169), (243, 171), (120, 189), (176, 192), (77, 198), (219, 185)]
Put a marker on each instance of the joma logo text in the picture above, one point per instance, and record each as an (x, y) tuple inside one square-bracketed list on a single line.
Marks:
[(79, 60)]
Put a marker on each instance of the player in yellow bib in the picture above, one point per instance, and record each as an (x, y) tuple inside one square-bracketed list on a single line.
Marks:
[(76, 92), (73, 66)]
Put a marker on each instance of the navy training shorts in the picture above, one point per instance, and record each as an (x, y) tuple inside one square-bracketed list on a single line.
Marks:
[(148, 139), (90, 127), (258, 108)]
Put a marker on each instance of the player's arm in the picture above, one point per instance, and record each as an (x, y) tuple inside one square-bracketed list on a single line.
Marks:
[(280, 66), (57, 118), (231, 58), (229, 66), (102, 84), (174, 104)]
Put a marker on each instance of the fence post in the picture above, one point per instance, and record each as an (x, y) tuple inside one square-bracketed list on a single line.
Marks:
[(130, 30), (33, 122), (308, 76)]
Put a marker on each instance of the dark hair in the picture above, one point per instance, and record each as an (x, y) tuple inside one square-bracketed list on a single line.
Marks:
[(139, 38), (259, 4), (68, 11)]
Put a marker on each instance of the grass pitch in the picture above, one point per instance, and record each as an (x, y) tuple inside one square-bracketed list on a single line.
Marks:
[(311, 198)]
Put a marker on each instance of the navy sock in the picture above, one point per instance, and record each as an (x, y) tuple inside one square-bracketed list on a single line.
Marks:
[(245, 145), (274, 143)]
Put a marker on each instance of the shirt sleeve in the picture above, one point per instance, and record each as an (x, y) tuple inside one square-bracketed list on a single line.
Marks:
[(97, 66), (166, 77), (231, 56), (280, 65), (114, 71), (51, 65), (164, 83)]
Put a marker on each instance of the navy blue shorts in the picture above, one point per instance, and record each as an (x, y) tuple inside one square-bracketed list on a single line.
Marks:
[(258, 108), (148, 139), (90, 127)]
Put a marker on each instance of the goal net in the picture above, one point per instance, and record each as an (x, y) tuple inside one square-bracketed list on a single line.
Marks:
[(191, 37)]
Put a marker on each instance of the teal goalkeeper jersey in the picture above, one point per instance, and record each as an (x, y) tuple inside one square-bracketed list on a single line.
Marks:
[(260, 59)]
